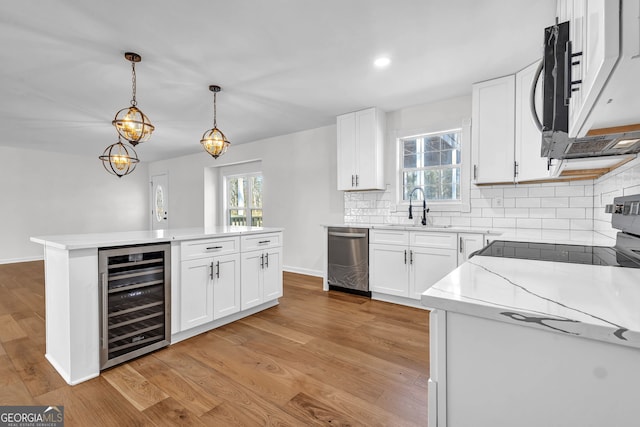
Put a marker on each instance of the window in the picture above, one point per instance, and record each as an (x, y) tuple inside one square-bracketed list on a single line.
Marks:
[(244, 200), (431, 162)]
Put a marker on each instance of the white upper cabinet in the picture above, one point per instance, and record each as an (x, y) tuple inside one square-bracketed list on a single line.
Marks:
[(530, 165), (492, 130), (506, 143), (594, 30), (360, 150)]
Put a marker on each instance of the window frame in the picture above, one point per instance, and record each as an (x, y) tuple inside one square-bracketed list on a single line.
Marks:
[(462, 205), (249, 208)]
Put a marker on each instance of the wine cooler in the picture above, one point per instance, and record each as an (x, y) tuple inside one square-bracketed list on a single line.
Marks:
[(135, 301)]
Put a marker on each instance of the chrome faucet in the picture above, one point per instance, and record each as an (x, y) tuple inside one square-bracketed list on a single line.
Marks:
[(423, 220)]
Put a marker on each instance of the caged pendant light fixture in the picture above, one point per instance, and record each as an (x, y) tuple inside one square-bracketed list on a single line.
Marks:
[(213, 140), (130, 122), (119, 160)]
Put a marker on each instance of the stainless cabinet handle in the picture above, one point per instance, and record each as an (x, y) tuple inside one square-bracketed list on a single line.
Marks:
[(341, 234), (475, 171), (461, 245), (357, 183), (410, 257), (263, 242), (262, 261), (532, 96), (266, 260), (210, 248), (218, 269), (405, 256), (352, 180), (104, 342), (211, 270)]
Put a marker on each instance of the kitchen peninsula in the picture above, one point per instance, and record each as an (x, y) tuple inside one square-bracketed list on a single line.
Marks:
[(529, 342), (200, 300)]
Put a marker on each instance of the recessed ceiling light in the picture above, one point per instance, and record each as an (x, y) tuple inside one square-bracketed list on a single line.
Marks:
[(382, 62)]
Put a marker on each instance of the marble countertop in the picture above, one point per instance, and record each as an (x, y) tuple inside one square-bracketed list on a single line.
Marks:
[(578, 237), (589, 301), (409, 227), (99, 240)]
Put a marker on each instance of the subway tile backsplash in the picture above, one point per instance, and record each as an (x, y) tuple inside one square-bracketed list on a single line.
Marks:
[(575, 205)]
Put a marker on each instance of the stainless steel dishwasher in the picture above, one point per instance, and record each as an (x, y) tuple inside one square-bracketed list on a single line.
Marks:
[(348, 266)]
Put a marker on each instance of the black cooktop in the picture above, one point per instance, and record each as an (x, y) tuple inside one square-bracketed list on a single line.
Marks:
[(578, 254)]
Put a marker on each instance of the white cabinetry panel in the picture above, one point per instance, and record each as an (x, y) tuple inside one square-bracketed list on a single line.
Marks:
[(360, 150), (492, 130)]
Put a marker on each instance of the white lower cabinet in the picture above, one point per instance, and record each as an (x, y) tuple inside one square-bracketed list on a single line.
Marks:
[(210, 289), (261, 270), (428, 265), (388, 269), (468, 243), (407, 270), (223, 276)]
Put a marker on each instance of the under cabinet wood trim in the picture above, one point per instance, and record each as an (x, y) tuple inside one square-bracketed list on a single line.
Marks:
[(615, 129)]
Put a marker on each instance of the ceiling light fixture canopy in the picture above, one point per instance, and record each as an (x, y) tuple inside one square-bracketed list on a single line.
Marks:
[(213, 140), (130, 122), (119, 160)]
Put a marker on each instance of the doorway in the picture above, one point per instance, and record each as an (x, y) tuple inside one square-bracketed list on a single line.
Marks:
[(160, 202)]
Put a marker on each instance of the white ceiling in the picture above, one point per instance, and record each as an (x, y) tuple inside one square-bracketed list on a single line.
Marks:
[(284, 65)]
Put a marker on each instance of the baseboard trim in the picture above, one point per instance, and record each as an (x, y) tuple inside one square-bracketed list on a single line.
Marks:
[(305, 271), (409, 302), (17, 260)]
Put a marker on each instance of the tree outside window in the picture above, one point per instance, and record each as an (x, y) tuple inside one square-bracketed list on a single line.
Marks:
[(431, 162), (244, 200)]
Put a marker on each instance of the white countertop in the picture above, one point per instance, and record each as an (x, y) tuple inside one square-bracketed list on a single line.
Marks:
[(578, 237), (99, 240), (409, 227), (590, 301)]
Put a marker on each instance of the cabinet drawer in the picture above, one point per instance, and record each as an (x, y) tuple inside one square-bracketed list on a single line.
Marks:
[(389, 237), (427, 239), (192, 249), (260, 241)]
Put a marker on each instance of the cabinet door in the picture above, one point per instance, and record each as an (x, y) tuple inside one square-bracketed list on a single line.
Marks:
[(428, 265), (196, 293), (530, 164), (492, 131), (226, 285), (360, 150), (467, 244), (389, 269), (272, 275), (251, 279), (369, 131), (594, 30), (346, 125)]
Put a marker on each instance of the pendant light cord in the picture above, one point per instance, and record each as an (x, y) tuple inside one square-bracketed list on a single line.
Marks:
[(214, 111), (133, 83)]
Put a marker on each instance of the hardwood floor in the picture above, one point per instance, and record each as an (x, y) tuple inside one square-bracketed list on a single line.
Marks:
[(317, 358)]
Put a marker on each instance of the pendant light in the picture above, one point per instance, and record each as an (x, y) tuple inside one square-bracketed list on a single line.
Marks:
[(119, 160), (132, 124), (214, 141)]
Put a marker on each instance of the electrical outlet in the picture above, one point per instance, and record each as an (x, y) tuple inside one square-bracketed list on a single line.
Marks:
[(498, 202)]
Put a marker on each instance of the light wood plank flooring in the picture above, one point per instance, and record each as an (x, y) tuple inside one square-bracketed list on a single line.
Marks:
[(317, 358)]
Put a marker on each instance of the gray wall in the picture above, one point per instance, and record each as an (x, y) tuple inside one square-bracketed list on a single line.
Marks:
[(50, 193)]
